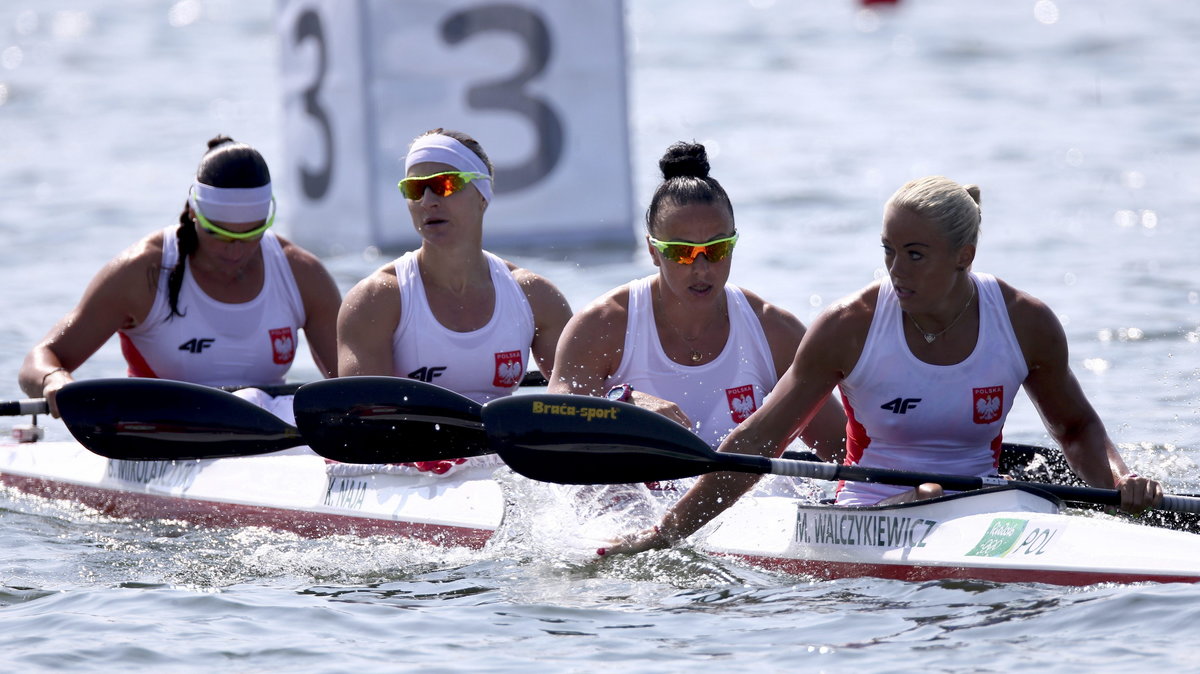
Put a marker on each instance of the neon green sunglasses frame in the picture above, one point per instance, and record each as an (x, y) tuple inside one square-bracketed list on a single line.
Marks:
[(228, 236), (693, 250)]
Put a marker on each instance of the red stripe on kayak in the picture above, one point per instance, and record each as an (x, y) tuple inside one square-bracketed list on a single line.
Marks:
[(133, 505), (831, 570)]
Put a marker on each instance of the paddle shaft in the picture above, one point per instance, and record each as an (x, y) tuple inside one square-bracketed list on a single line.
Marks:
[(13, 408), (16, 408), (833, 472)]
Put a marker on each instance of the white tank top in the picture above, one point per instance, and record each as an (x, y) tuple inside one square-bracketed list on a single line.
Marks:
[(716, 396), (216, 343), (482, 364), (907, 414)]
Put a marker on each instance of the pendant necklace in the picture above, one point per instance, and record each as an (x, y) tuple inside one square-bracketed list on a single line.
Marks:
[(930, 336), (693, 354)]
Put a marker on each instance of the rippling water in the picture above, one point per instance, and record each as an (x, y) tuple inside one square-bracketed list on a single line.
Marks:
[(1077, 118)]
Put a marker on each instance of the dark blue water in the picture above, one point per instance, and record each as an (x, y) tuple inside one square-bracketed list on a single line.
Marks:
[(1078, 119)]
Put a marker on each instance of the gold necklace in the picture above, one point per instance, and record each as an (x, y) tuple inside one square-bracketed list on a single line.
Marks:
[(930, 336), (695, 355)]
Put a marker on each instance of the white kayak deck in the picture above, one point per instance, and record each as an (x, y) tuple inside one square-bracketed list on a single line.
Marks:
[(1005, 535)]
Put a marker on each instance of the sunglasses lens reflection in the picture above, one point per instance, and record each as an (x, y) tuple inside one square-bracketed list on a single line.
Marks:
[(442, 186), (687, 254)]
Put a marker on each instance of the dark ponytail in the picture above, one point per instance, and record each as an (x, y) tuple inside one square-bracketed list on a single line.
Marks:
[(684, 168), (227, 163)]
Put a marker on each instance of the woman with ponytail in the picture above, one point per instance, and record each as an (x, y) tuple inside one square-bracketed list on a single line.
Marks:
[(684, 342), (217, 300)]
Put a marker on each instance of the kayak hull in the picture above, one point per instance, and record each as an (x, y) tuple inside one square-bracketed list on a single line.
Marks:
[(1002, 535)]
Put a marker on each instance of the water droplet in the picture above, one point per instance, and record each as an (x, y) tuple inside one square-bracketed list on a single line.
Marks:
[(183, 13), (1045, 12), (12, 57), (1125, 218), (70, 25)]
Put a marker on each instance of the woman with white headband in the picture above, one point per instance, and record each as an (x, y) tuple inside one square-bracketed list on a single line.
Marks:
[(218, 300), (450, 312)]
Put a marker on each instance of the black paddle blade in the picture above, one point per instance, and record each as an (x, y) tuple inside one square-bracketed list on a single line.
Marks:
[(388, 420), (164, 420), (572, 439)]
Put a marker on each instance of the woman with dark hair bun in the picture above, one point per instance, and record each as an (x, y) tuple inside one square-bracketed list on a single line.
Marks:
[(928, 360), (684, 342), (218, 300)]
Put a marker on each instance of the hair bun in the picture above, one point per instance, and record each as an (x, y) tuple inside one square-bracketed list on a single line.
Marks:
[(973, 190), (687, 160), (219, 140)]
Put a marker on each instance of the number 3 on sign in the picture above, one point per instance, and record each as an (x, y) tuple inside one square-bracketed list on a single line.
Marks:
[(540, 83)]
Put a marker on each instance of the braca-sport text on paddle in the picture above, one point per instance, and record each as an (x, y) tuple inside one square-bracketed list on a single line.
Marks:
[(581, 440)]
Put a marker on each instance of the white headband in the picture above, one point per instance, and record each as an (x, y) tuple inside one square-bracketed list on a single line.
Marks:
[(231, 204), (446, 150)]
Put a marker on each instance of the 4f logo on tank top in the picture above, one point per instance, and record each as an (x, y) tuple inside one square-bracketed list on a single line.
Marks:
[(426, 374), (283, 345), (988, 403), (197, 344), (900, 405), (741, 402), (509, 369)]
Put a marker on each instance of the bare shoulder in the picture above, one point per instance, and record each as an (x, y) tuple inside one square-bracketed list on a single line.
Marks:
[(837, 336), (381, 283), (603, 321), (851, 315), (146, 251), (773, 316), (550, 306), (138, 265), (530, 281), (303, 262), (1034, 322), (613, 304)]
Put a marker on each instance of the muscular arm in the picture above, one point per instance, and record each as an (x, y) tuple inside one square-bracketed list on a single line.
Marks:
[(321, 303), (1058, 397), (798, 397), (1069, 417), (119, 296), (551, 311), (826, 432), (366, 322), (591, 345)]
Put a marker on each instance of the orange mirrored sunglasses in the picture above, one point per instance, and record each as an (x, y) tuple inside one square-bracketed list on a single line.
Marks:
[(686, 252), (443, 184)]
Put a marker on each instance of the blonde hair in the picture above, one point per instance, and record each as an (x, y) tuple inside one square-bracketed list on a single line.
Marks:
[(952, 207)]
